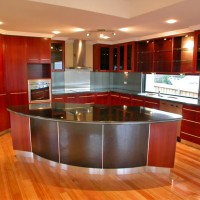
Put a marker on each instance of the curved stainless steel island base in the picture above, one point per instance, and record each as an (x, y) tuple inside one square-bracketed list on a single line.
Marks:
[(99, 138)]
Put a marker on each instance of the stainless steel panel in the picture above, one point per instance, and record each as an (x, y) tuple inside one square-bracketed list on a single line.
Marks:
[(125, 145), (44, 138), (81, 144)]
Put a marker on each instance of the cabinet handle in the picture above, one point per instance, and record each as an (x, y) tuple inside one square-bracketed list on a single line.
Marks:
[(191, 121), (58, 98), (191, 110), (18, 93)]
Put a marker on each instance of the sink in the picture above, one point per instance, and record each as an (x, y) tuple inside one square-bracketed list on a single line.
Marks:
[(171, 97)]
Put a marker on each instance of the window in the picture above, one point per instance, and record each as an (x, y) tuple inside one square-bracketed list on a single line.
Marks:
[(180, 85)]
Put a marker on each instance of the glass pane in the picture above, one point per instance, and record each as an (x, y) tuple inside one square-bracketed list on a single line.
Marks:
[(179, 85)]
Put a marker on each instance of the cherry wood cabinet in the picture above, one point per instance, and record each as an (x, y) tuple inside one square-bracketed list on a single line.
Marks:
[(190, 127), (151, 103), (58, 98), (86, 98), (17, 98), (119, 57), (162, 61), (15, 62), (2, 67), (71, 98), (57, 55), (115, 99), (145, 50), (183, 50), (4, 116), (38, 50), (196, 56), (101, 57), (125, 99), (102, 98), (137, 100)]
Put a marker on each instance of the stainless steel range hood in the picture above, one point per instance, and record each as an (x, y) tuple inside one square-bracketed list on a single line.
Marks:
[(79, 54)]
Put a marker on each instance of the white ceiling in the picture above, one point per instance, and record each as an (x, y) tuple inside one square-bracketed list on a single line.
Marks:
[(74, 18)]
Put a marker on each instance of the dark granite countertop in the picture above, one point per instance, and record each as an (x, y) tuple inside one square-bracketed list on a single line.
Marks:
[(90, 113)]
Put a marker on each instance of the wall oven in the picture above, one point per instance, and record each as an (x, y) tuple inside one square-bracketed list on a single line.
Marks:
[(39, 90)]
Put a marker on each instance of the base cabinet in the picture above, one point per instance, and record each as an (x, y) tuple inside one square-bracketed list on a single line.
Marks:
[(190, 128)]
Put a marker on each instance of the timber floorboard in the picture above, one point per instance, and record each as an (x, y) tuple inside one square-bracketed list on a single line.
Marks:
[(26, 178)]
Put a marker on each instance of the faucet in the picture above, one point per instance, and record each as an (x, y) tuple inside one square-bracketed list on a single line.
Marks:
[(159, 93)]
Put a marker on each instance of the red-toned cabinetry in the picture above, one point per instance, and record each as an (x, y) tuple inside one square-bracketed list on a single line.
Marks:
[(86, 98), (16, 70), (101, 57), (38, 50), (102, 98), (151, 103), (137, 101), (190, 127), (4, 116)]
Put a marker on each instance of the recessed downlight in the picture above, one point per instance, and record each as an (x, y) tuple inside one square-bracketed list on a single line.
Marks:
[(1, 22), (56, 32), (171, 21)]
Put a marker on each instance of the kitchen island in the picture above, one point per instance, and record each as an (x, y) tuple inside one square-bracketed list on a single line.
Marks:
[(97, 137)]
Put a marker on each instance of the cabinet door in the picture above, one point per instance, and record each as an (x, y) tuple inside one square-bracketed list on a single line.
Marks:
[(16, 67), (115, 99), (20, 98), (101, 57), (86, 98), (38, 50), (125, 100), (183, 53), (191, 124), (2, 67), (102, 99), (57, 55), (196, 55), (58, 98), (45, 50), (70, 98), (162, 55), (137, 101), (4, 117), (151, 103)]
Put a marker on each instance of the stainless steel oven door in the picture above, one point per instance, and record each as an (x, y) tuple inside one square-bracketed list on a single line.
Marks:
[(39, 90)]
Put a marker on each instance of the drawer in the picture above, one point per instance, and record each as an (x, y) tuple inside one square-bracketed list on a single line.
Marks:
[(190, 127), (191, 114), (190, 138)]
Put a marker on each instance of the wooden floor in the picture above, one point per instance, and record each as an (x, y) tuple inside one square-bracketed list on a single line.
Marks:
[(22, 178)]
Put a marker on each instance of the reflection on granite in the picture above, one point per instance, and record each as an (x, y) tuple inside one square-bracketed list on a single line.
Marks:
[(95, 113)]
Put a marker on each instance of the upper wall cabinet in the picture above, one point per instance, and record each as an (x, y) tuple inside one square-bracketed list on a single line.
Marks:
[(38, 50), (118, 57), (162, 61), (57, 55), (196, 57), (183, 50), (145, 50), (2, 67), (166, 55), (16, 66), (101, 57)]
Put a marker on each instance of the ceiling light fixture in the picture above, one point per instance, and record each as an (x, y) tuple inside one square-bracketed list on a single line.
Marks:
[(101, 33), (1, 22), (171, 21), (56, 32)]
